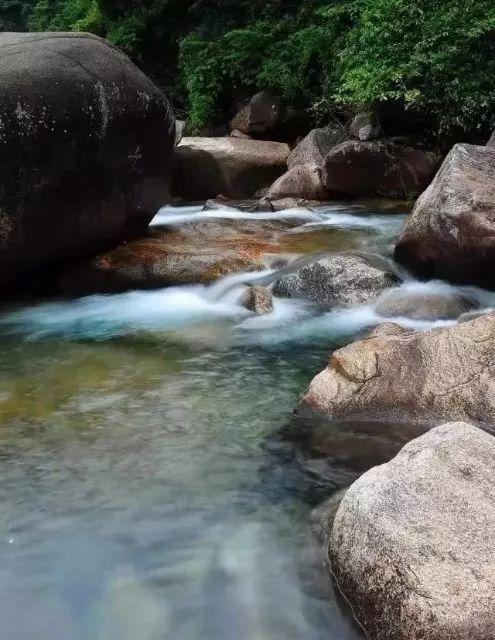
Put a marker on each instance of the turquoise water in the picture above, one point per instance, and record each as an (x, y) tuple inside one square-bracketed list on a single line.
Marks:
[(147, 490)]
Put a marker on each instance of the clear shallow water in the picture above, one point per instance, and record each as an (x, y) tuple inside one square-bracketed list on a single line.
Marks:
[(145, 490)]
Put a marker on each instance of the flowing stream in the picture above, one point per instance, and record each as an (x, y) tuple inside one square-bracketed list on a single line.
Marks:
[(147, 488)]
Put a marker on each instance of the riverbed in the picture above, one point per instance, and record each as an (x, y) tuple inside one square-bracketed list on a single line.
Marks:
[(150, 486)]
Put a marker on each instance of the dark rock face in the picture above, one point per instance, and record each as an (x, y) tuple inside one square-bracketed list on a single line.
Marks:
[(336, 281), (451, 231), (86, 143), (356, 168), (232, 167), (266, 117), (412, 546)]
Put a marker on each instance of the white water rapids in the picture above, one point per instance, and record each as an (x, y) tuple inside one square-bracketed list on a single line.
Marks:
[(147, 492), (178, 308)]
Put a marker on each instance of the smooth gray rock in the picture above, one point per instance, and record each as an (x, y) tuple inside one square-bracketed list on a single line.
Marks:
[(336, 281), (412, 546), (86, 145)]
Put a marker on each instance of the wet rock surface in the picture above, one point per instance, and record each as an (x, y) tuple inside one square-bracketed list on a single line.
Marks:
[(336, 281), (412, 544), (259, 300), (422, 303), (197, 253)]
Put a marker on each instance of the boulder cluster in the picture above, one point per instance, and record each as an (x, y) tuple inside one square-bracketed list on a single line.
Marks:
[(265, 155), (410, 547)]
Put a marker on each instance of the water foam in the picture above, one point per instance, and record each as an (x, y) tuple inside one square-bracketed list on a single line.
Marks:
[(170, 217)]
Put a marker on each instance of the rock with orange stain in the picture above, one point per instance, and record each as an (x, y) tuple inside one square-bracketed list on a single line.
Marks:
[(196, 253)]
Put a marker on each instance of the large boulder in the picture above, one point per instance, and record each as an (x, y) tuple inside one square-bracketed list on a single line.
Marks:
[(451, 231), (313, 149), (415, 378), (232, 167), (303, 182), (337, 281), (413, 542), (86, 144), (267, 117), (356, 168)]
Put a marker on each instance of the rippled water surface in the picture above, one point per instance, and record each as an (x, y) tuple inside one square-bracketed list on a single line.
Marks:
[(145, 490)]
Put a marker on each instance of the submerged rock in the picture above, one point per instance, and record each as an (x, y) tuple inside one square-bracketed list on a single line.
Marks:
[(294, 203), (416, 378), (412, 546), (336, 281), (199, 252), (299, 182), (356, 168), (259, 300), (232, 167), (86, 146), (451, 231), (421, 303)]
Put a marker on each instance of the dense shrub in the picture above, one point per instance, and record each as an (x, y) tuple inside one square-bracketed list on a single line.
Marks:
[(434, 56)]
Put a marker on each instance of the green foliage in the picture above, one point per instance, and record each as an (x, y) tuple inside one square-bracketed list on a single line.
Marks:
[(67, 15), (434, 56), (293, 55), (14, 14)]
